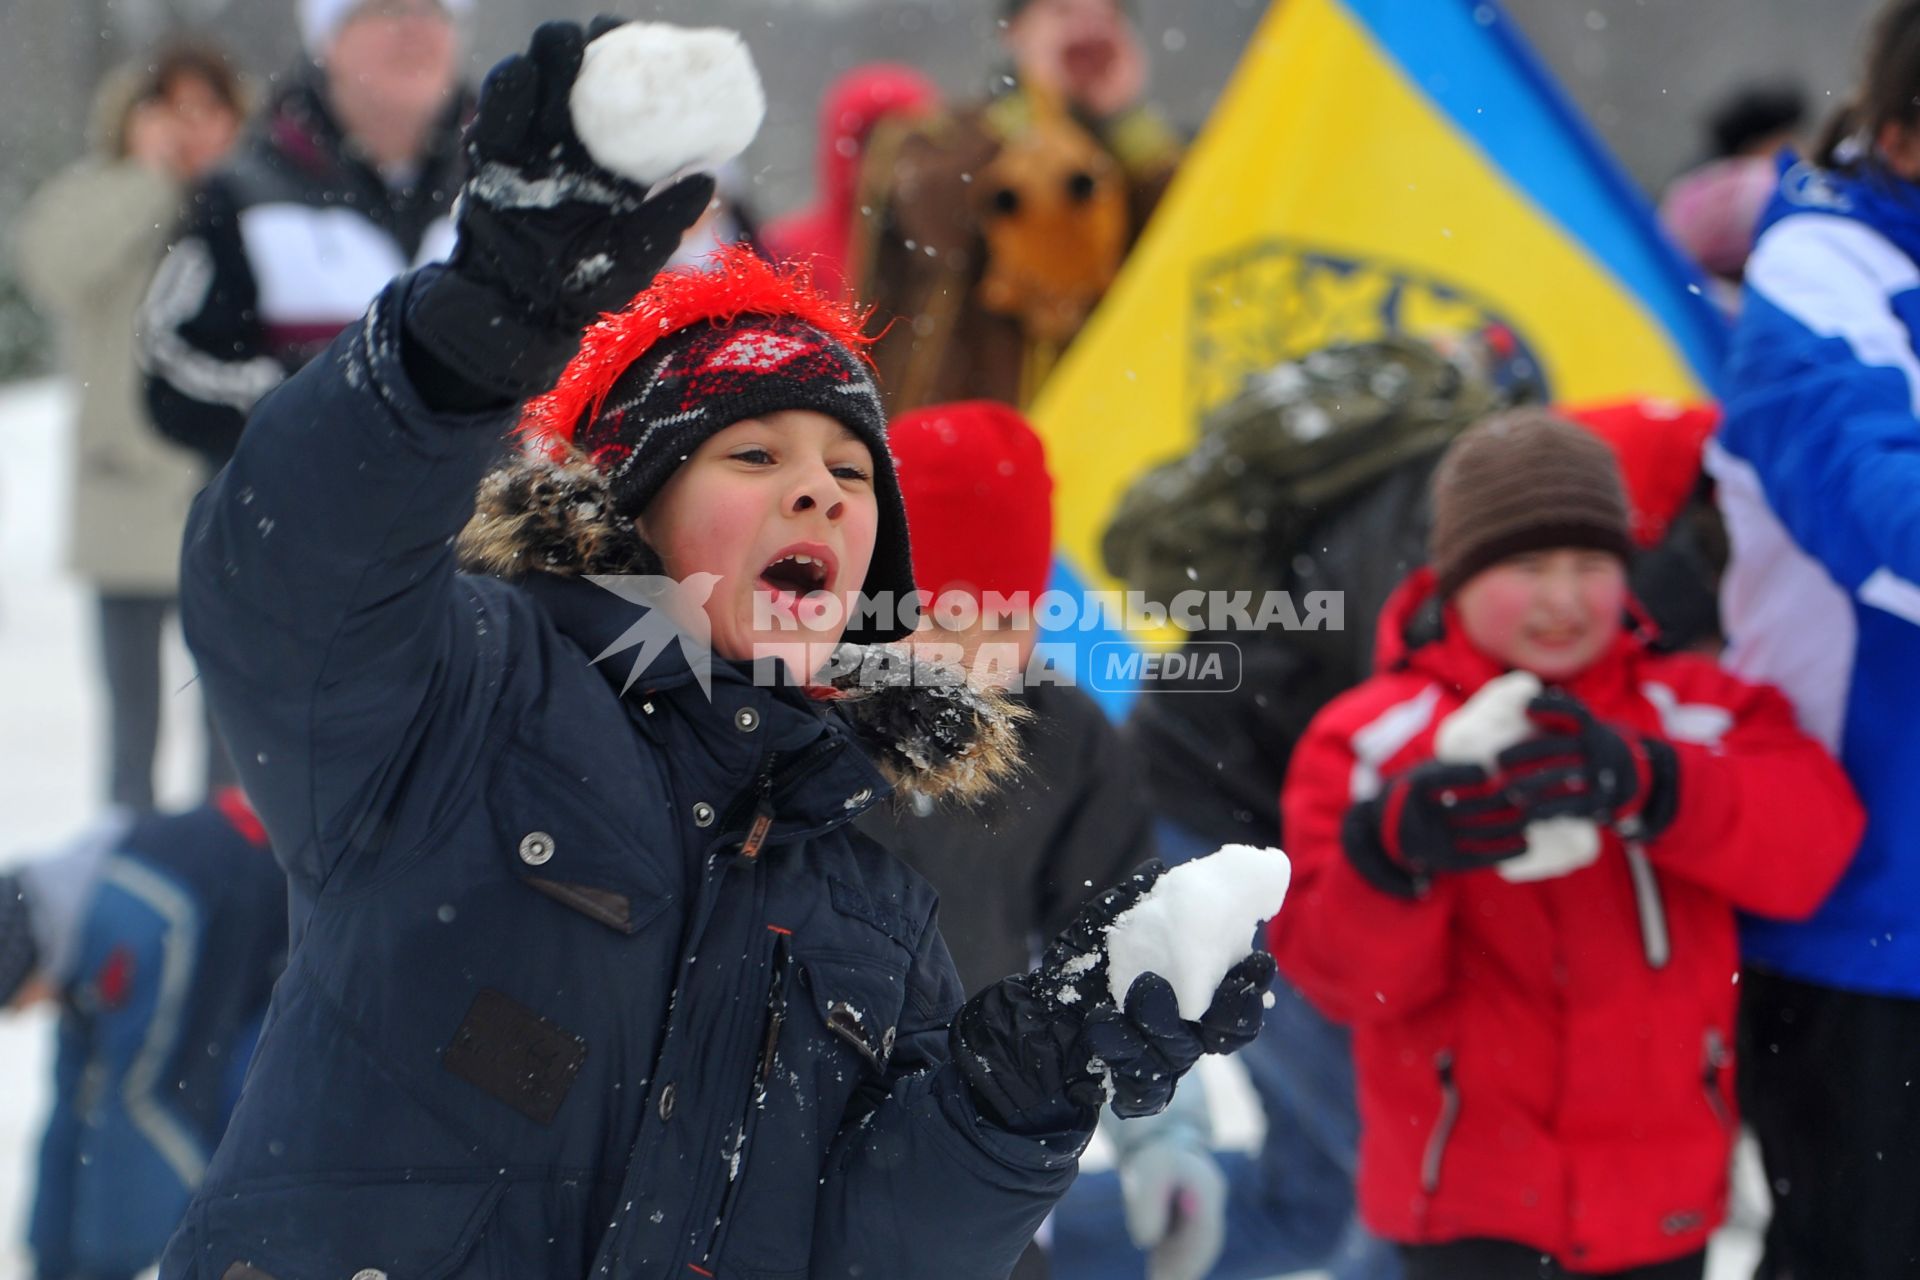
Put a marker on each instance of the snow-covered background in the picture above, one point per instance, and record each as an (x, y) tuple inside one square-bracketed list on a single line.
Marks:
[(46, 738), (52, 737), (51, 744)]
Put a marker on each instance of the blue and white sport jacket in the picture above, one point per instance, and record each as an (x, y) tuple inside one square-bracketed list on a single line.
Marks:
[(164, 933), (1818, 464)]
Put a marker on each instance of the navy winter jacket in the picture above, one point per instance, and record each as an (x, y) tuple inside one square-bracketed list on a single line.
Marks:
[(543, 1017)]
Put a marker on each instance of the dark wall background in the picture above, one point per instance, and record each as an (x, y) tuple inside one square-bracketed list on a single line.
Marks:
[(1643, 70)]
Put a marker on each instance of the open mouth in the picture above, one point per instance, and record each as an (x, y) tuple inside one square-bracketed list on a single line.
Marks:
[(1557, 639), (1086, 58), (800, 573)]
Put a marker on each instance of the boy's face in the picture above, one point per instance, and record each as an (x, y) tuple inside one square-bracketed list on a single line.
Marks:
[(782, 509), (1549, 612)]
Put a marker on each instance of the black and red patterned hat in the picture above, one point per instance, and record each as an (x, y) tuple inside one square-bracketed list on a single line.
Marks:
[(699, 351)]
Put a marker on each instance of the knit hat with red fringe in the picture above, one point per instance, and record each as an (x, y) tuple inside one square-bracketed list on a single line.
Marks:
[(699, 351)]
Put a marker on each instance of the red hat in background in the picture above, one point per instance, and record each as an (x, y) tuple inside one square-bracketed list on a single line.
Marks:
[(851, 108), (1660, 444), (979, 498)]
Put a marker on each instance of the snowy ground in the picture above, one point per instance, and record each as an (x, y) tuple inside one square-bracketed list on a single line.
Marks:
[(50, 747), (47, 736)]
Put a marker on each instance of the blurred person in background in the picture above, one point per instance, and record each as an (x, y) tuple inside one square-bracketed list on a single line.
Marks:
[(160, 937), (1016, 870), (993, 229), (1258, 505), (86, 248), (1344, 508), (1760, 119), (1818, 466), (854, 104), (346, 181), (1711, 211), (1540, 1037)]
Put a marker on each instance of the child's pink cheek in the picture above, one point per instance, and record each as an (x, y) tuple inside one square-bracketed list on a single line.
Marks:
[(1497, 614), (718, 542), (1604, 600)]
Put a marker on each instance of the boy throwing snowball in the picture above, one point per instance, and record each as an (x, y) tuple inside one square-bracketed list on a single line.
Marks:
[(1544, 1064), (590, 974)]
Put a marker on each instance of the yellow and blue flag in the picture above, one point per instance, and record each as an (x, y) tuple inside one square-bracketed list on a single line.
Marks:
[(1373, 166)]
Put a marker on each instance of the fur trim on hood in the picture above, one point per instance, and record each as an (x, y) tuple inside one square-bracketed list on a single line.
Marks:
[(538, 514), (930, 730)]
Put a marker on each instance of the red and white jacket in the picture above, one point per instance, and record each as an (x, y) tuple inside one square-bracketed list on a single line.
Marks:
[(1551, 1063)]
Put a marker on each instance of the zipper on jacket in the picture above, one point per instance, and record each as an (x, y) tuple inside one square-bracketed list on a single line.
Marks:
[(776, 1018), (756, 808), (1654, 938), (1715, 1059), (756, 1096), (762, 818), (1443, 1125), (750, 805)]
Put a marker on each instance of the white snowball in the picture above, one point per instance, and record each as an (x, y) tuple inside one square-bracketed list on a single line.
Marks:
[(1555, 846), (653, 101), (1197, 922), (1491, 721)]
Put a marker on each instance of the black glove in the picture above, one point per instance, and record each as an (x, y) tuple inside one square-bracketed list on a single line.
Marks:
[(1041, 1050), (1435, 818), (1145, 1049), (1581, 767), (548, 240)]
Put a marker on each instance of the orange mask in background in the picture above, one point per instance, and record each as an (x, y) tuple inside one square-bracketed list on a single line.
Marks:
[(1053, 208)]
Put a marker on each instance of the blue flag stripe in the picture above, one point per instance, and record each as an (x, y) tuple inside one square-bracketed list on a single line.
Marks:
[(1476, 67)]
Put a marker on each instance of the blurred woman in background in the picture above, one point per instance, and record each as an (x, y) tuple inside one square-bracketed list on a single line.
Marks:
[(85, 248)]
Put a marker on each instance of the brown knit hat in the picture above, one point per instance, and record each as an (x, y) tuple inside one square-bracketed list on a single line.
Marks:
[(1523, 480)]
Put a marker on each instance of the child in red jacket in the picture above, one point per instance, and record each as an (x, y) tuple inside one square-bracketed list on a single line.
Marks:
[(1544, 1064)]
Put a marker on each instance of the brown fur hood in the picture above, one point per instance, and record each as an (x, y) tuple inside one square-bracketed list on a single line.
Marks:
[(931, 731)]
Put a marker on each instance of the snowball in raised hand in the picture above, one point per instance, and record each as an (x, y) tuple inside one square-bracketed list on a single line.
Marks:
[(653, 100)]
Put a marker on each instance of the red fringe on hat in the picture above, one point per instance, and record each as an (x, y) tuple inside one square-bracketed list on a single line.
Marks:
[(737, 282)]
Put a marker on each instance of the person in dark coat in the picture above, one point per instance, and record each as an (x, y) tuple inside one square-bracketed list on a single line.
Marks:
[(1017, 869), (347, 178), (591, 974), (160, 935)]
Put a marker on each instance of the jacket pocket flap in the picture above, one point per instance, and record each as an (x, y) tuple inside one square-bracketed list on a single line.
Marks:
[(859, 999), (417, 1229), (552, 831)]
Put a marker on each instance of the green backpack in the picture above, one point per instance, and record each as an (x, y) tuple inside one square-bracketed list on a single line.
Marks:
[(1292, 447)]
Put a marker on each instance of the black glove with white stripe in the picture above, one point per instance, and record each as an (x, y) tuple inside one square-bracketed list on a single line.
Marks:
[(548, 240)]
